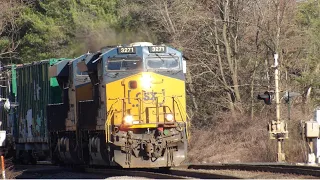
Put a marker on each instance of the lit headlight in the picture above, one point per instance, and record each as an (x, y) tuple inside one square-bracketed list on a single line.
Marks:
[(169, 117), (146, 81), (128, 119)]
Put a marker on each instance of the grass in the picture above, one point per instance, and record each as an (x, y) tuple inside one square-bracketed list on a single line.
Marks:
[(245, 140), (10, 173)]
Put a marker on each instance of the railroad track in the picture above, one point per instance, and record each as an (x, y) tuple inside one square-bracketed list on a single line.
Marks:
[(159, 174), (182, 172), (43, 170), (104, 173), (265, 167), (134, 173), (200, 175)]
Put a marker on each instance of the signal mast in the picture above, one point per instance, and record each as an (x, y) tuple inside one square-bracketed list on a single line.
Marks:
[(277, 128)]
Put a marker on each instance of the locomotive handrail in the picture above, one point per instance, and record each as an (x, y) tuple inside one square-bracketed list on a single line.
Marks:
[(109, 115), (112, 99), (188, 123), (185, 109), (111, 107), (123, 104), (174, 99), (122, 99), (108, 124), (140, 107)]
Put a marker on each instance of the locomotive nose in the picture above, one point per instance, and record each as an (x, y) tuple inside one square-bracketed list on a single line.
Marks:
[(144, 99)]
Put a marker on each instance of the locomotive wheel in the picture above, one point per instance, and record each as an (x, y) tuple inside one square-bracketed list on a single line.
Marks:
[(55, 159), (24, 157), (27, 157), (33, 157)]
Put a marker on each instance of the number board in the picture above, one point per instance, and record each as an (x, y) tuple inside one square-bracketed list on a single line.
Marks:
[(127, 50), (157, 49)]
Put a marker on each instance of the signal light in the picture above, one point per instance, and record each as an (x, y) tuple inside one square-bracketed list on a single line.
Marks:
[(266, 97)]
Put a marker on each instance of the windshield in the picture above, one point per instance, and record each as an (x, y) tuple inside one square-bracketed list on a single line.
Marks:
[(163, 62), (123, 64)]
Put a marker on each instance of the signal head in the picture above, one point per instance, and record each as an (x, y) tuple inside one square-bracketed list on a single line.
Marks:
[(266, 97)]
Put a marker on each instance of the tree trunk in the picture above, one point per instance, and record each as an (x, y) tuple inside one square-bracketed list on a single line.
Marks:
[(227, 88), (231, 62)]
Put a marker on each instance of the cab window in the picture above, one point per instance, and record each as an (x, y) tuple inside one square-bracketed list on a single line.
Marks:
[(123, 65), (164, 62)]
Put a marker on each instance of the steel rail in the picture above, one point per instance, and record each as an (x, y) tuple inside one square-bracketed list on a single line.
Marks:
[(181, 172), (275, 168), (200, 175), (161, 174), (134, 172)]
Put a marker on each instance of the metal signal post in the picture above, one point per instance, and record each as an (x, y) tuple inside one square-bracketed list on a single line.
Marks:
[(278, 129), (280, 157)]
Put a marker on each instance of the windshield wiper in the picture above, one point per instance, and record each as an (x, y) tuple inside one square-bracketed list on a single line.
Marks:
[(114, 74), (174, 57), (160, 58)]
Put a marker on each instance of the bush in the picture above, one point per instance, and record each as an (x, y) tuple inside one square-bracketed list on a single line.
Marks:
[(245, 140)]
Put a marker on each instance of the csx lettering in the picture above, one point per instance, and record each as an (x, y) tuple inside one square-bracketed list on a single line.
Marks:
[(149, 96), (146, 96)]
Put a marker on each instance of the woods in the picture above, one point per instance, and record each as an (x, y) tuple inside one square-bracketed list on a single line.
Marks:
[(229, 45), (9, 29)]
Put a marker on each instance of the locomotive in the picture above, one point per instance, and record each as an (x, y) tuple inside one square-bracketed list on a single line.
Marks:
[(121, 106)]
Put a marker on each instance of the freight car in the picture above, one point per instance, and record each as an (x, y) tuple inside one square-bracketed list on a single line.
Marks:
[(29, 90), (122, 106)]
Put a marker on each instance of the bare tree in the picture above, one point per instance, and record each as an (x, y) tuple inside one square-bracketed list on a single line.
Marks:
[(9, 29), (230, 45)]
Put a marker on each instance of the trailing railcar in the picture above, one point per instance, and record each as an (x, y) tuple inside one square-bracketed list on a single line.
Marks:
[(125, 106), (29, 90)]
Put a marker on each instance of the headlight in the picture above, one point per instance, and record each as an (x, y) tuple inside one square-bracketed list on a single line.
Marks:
[(146, 81), (128, 119), (169, 117)]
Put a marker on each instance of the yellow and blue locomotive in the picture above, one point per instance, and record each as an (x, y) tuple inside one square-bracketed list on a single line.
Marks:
[(122, 106)]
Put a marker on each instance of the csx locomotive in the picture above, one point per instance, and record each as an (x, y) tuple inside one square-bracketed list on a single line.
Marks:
[(121, 106)]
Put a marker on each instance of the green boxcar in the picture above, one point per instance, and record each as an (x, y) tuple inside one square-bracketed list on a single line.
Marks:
[(34, 90)]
